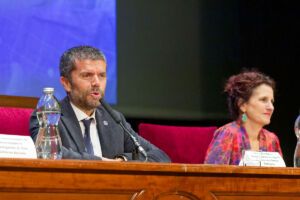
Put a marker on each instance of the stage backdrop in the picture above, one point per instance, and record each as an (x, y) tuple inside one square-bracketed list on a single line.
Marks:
[(35, 33)]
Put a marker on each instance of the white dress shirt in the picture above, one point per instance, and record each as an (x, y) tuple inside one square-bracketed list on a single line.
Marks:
[(80, 115)]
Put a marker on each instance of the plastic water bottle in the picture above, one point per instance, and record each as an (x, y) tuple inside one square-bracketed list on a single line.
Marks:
[(297, 150), (48, 142)]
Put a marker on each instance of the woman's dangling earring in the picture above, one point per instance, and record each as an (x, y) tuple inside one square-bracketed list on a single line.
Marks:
[(244, 117)]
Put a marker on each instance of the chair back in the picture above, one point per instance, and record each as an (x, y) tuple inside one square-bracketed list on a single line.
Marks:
[(181, 144), (15, 121)]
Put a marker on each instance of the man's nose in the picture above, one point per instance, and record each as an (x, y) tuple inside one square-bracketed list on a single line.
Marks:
[(95, 81)]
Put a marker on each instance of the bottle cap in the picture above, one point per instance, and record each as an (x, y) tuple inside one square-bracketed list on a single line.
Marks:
[(48, 90)]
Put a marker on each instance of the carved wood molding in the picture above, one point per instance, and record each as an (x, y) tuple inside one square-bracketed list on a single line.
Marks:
[(42, 193), (254, 195), (180, 195)]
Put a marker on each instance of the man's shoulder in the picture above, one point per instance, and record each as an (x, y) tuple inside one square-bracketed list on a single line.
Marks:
[(65, 107), (103, 112), (64, 101)]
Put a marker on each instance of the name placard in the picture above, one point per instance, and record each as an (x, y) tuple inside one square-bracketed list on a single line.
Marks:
[(261, 158), (16, 146)]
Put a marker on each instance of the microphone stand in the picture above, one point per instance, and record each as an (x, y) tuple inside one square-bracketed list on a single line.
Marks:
[(117, 119), (138, 146)]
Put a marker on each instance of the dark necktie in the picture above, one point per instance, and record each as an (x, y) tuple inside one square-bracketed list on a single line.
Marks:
[(87, 137)]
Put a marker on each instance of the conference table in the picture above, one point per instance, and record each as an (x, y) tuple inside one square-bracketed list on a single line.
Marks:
[(87, 180)]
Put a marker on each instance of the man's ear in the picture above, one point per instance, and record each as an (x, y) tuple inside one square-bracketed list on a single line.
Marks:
[(242, 105), (66, 83)]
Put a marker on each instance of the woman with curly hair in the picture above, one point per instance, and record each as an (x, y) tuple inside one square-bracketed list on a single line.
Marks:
[(250, 100)]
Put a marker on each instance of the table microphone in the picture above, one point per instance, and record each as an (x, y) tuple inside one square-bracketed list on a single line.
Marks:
[(117, 119)]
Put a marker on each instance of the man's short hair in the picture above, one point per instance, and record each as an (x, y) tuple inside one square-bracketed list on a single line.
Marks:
[(68, 59)]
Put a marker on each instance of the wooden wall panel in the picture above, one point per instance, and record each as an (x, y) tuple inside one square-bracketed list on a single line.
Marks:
[(18, 101)]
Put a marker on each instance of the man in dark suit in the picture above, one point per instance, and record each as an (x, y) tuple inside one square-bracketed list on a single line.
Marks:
[(83, 75)]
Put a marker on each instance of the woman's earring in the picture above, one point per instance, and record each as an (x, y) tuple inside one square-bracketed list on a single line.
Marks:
[(244, 117)]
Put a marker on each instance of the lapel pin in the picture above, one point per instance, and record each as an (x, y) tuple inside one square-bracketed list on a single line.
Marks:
[(105, 123)]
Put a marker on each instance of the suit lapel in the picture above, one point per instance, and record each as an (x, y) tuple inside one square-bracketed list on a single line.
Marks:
[(68, 118), (100, 129), (104, 130)]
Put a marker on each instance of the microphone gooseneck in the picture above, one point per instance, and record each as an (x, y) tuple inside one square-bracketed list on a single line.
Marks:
[(110, 111), (117, 119)]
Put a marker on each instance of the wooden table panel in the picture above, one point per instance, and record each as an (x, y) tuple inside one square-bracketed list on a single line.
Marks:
[(75, 179)]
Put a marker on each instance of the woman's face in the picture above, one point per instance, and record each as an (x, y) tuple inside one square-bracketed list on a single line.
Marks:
[(259, 108)]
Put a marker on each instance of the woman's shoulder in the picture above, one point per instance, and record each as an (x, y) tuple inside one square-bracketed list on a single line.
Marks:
[(229, 129), (232, 127), (269, 134)]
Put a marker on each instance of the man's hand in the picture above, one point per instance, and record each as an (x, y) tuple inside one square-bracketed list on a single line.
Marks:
[(112, 160)]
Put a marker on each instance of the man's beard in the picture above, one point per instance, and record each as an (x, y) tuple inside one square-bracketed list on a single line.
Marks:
[(81, 99)]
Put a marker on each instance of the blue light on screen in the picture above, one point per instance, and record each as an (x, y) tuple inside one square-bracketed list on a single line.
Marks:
[(35, 33)]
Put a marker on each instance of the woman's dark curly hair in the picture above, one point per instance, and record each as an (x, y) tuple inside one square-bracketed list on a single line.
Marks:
[(241, 86)]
